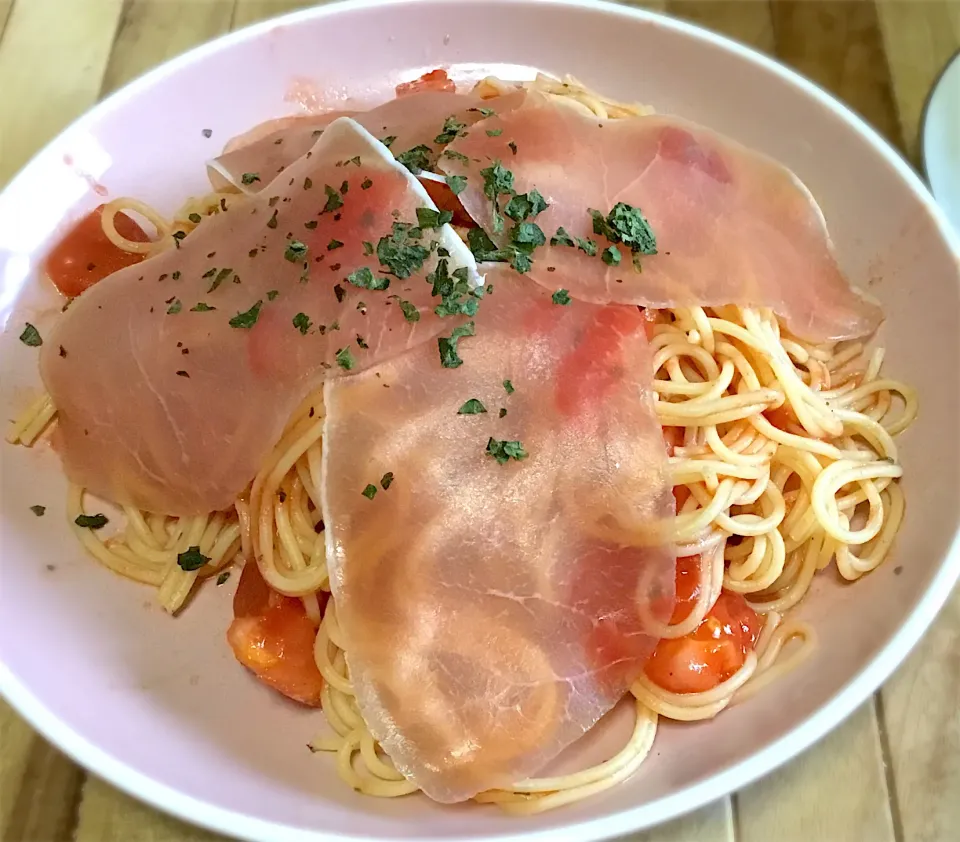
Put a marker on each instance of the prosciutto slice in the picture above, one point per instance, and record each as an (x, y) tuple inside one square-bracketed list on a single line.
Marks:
[(731, 226), (495, 536), (407, 122), (174, 377)]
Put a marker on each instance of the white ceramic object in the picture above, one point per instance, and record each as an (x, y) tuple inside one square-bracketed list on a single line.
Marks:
[(158, 706), (941, 140)]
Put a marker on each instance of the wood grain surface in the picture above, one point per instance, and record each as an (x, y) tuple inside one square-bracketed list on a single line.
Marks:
[(891, 773)]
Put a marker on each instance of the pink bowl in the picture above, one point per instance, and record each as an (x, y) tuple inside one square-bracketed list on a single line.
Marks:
[(159, 708)]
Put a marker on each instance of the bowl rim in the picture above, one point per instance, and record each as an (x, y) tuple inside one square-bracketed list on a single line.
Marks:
[(810, 730)]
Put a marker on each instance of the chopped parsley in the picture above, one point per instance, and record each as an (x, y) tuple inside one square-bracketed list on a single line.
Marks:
[(195, 218), (472, 407), (249, 177), (525, 206), (201, 307), (248, 318), (222, 578), (334, 200), (388, 141), (503, 412), (508, 387), (271, 294), (409, 309), (345, 359), (311, 225), (456, 183), (296, 251), (334, 244), (561, 296), (344, 187), (452, 128), (588, 247), (456, 156), (92, 521), (176, 275), (31, 336), (175, 307), (370, 491), (38, 510), (192, 559), (272, 222), (561, 238), (494, 132), (513, 147), (626, 224), (386, 480), (366, 184), (497, 181), (399, 254), (307, 183), (453, 290), (417, 159), (362, 342), (611, 256), (367, 248), (429, 218), (340, 292), (504, 451), (222, 275), (365, 279), (302, 322), (449, 358)]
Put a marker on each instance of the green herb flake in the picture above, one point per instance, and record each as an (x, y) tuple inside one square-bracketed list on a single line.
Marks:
[(508, 387), (494, 132), (201, 307), (344, 187), (195, 218), (31, 336), (92, 521), (453, 155), (311, 225), (272, 222), (345, 359), (302, 322), (513, 147), (192, 559), (561, 296), (271, 294), (504, 451), (307, 183), (247, 319), (456, 183), (429, 218), (611, 256), (388, 141), (453, 290), (409, 309), (562, 238), (449, 358), (249, 178), (417, 159), (175, 307), (452, 129), (340, 292), (588, 247), (38, 510), (222, 578), (176, 275), (334, 244), (370, 491), (626, 224), (365, 279), (386, 480), (399, 254), (525, 206), (334, 200), (503, 412), (472, 407), (296, 251), (222, 275), (367, 248), (366, 184), (362, 342)]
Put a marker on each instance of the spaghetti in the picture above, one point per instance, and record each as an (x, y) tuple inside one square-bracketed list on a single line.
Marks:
[(782, 456)]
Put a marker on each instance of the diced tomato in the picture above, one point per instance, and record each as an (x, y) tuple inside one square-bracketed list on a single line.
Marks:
[(595, 364), (85, 255), (435, 80), (713, 652), (272, 636)]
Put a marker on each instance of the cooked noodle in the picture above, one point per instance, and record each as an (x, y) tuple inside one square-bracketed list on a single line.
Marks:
[(782, 456)]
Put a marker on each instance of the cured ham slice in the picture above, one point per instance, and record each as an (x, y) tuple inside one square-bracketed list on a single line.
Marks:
[(495, 535), (409, 122), (728, 225), (173, 378)]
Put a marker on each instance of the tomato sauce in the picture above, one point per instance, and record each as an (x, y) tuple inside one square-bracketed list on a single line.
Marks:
[(85, 255)]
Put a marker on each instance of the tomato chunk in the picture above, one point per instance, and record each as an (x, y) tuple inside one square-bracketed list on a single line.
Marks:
[(272, 636), (85, 255), (713, 652), (435, 80)]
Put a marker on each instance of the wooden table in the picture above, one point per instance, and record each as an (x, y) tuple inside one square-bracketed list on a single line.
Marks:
[(889, 774)]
